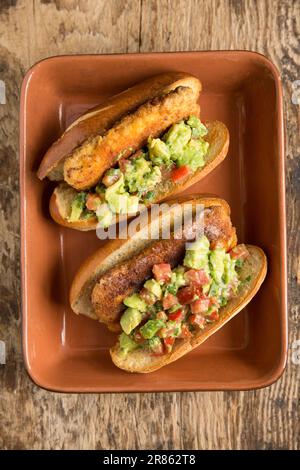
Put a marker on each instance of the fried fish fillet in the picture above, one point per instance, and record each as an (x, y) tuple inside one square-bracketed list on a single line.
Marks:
[(87, 164), (122, 280)]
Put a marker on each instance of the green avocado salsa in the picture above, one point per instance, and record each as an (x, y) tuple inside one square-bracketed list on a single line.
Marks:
[(175, 303), (177, 154)]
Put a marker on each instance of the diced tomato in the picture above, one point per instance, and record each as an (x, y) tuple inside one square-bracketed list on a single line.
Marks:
[(200, 305), (196, 276), (185, 332), (213, 316), (147, 296), (168, 342), (93, 201), (197, 320), (185, 295), (161, 316), (169, 301), (176, 316), (162, 272), (123, 163), (180, 173), (239, 252)]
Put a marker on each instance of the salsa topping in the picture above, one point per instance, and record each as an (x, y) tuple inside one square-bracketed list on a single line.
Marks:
[(175, 303), (174, 156)]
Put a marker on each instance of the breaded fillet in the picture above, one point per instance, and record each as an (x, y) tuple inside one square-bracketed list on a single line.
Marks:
[(122, 280), (88, 163)]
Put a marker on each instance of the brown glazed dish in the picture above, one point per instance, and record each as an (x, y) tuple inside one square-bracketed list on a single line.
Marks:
[(67, 353)]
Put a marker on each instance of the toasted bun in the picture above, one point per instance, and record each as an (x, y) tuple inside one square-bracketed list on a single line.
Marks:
[(218, 138), (120, 250), (138, 361), (98, 120)]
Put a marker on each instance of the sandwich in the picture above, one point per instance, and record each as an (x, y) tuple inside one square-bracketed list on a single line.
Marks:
[(166, 296), (139, 147)]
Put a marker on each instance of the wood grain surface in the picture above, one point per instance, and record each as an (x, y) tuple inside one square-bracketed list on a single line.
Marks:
[(33, 418)]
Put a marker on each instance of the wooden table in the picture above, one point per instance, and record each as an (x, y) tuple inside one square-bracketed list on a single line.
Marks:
[(33, 418)]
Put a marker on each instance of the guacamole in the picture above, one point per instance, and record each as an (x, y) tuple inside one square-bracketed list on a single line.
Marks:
[(175, 303), (134, 180)]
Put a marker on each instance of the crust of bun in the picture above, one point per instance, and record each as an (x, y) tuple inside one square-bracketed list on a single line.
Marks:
[(218, 138), (141, 362), (120, 250), (96, 121)]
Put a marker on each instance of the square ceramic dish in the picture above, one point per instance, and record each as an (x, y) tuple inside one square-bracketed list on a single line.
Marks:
[(69, 353)]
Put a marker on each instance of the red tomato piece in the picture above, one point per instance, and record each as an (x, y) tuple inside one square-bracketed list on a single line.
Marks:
[(176, 316), (169, 301), (200, 305), (196, 277), (180, 173), (168, 343), (239, 252), (213, 316), (185, 332), (162, 272), (185, 295)]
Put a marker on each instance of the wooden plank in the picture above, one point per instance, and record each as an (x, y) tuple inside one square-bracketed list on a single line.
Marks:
[(33, 418)]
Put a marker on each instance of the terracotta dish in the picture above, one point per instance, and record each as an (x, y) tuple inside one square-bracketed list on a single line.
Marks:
[(67, 353)]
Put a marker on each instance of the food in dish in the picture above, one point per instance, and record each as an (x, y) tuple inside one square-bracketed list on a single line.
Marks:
[(139, 147), (165, 297)]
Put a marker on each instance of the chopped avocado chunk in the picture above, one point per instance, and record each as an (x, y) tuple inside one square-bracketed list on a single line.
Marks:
[(198, 129), (77, 206), (229, 274), (119, 201), (195, 260), (192, 154), (126, 343), (196, 256), (151, 328), (214, 290), (130, 319), (104, 215), (141, 175), (177, 137), (201, 245), (154, 343), (216, 259), (135, 301), (177, 277), (159, 152), (132, 204), (154, 287), (117, 187)]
